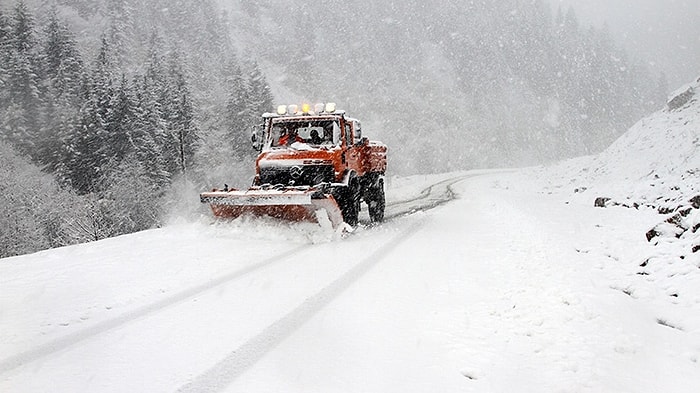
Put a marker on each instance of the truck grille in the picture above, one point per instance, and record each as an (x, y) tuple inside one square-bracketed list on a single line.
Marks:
[(300, 175)]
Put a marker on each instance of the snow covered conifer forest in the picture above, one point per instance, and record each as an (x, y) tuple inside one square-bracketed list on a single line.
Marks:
[(109, 110), (111, 117)]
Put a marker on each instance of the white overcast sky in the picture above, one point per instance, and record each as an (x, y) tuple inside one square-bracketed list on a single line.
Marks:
[(666, 33)]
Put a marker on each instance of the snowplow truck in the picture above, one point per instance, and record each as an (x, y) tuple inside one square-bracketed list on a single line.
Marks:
[(313, 165)]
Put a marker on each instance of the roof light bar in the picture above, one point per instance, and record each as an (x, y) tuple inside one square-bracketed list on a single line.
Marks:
[(306, 109)]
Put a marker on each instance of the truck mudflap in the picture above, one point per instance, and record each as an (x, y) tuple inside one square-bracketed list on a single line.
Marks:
[(307, 204)]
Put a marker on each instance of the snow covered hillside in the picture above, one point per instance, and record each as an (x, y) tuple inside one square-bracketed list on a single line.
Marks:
[(654, 166), (657, 162), (491, 281)]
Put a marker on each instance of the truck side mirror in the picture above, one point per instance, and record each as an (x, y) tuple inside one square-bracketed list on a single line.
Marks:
[(256, 138), (362, 142)]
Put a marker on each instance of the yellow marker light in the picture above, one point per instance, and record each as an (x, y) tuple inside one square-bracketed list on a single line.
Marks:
[(305, 108)]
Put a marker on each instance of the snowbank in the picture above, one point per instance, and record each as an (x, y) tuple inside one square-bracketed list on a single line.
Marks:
[(654, 167)]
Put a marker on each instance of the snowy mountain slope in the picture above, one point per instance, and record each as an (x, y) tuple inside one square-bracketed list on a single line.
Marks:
[(655, 165), (657, 162), (504, 286)]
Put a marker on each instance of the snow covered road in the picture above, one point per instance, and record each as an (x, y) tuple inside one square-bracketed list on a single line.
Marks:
[(504, 287)]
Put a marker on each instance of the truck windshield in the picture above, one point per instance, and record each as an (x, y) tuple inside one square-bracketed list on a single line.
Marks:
[(311, 132)]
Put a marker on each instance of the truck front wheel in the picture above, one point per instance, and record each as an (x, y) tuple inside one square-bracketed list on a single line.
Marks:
[(348, 199)]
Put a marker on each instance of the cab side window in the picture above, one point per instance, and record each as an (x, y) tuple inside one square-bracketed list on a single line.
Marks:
[(348, 134)]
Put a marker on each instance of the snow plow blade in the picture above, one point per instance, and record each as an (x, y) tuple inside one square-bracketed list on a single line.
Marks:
[(294, 204)]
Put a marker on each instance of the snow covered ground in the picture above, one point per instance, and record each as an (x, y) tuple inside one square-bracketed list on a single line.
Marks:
[(518, 284)]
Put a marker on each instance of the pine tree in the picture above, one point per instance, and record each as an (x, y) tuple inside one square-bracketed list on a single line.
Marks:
[(238, 110), (62, 64), (146, 150), (119, 122), (181, 115), (88, 147), (62, 70), (261, 99), (5, 34), (154, 103), (20, 122), (119, 32)]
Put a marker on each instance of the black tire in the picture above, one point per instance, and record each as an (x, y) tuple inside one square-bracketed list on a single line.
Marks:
[(376, 202), (348, 199)]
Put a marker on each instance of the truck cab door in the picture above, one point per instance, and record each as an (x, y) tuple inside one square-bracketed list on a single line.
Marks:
[(354, 151)]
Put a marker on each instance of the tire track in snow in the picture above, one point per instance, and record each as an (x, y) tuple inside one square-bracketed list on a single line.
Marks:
[(434, 195), (430, 197), (237, 362), (74, 338)]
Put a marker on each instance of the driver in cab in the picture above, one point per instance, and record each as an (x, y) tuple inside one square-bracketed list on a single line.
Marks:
[(288, 137)]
